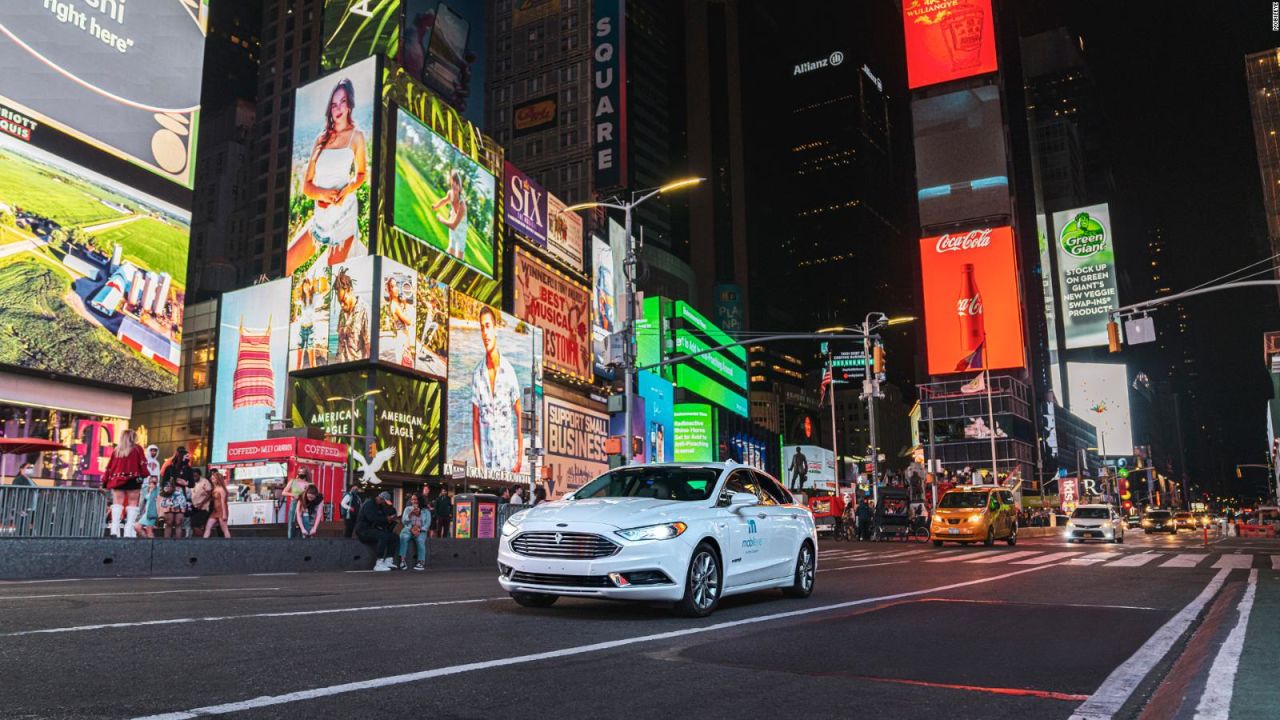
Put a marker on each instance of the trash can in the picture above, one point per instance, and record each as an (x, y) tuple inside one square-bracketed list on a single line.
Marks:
[(475, 515)]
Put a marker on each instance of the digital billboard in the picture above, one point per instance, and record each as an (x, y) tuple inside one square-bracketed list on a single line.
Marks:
[(809, 467), (1086, 274), (441, 46), (525, 205), (603, 318), (972, 307), (252, 373), (1100, 395), (564, 234), (443, 198), (124, 78), (93, 272), (948, 40), (491, 370), (659, 432), (331, 166), (561, 307), (413, 320), (961, 169), (1046, 282), (331, 311), (695, 432), (357, 29), (574, 440)]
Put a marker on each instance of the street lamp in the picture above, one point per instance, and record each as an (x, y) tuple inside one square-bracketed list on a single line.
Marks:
[(638, 197), (352, 399)]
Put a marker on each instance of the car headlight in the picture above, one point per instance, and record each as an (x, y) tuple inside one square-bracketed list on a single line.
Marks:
[(975, 518), (665, 531), (1071, 523), (1147, 523), (512, 525)]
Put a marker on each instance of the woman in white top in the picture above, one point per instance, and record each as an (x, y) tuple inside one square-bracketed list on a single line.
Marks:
[(456, 219), (338, 167)]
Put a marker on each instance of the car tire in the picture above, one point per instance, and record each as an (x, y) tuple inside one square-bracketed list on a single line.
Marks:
[(1013, 536), (703, 583), (937, 543), (806, 570), (1120, 539), (534, 600), (991, 536)]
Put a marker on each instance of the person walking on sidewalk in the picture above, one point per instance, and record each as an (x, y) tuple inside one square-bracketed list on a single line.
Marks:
[(217, 506), (125, 471), (443, 513), (351, 502), (310, 511), (417, 522), (373, 527)]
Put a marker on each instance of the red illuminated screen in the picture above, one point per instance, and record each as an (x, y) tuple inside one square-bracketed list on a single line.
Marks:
[(971, 295), (948, 40)]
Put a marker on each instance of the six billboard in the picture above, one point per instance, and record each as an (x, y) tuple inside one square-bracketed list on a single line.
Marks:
[(948, 40), (1086, 274), (1100, 395), (972, 306), (561, 308), (525, 205), (252, 375)]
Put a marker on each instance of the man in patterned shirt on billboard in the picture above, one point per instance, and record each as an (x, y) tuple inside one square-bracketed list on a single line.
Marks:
[(496, 437), (353, 321)]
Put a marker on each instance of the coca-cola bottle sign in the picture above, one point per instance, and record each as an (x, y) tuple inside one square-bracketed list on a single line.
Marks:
[(952, 242)]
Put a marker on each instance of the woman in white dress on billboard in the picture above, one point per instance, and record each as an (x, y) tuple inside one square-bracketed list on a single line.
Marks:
[(338, 168), (456, 219)]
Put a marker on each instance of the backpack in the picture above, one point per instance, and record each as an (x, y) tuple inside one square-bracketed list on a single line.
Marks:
[(355, 503)]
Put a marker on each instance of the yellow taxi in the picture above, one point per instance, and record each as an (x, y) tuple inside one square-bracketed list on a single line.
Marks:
[(975, 513)]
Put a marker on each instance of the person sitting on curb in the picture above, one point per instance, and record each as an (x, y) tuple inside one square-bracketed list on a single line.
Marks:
[(373, 527)]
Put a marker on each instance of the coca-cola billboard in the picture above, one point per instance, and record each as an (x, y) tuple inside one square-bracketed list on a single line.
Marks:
[(972, 307), (948, 40)]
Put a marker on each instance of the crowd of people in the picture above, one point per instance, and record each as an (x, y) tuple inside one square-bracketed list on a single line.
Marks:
[(169, 498)]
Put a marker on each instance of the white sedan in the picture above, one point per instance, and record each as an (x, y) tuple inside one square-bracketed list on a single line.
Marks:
[(688, 534), (1095, 522)]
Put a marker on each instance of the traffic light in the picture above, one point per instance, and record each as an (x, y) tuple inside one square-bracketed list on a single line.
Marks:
[(877, 359), (1239, 474), (1113, 336)]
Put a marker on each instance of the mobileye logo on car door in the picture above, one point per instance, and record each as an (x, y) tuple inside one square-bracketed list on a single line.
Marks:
[(752, 542)]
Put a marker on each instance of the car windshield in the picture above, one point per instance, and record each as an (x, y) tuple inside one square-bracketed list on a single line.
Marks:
[(1183, 516), (1091, 513), (1158, 515), (963, 500), (659, 482)]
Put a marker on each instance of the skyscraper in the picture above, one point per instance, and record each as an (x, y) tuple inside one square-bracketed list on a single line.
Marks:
[(1262, 75)]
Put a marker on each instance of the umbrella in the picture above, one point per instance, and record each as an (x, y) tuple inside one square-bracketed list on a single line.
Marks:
[(24, 446)]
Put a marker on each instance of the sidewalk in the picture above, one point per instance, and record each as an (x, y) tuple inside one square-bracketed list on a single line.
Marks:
[(1256, 695)]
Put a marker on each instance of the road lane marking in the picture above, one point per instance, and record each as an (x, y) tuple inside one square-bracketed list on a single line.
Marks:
[(1184, 560), (1004, 557), (1134, 560), (390, 680), (1051, 557), (955, 559), (121, 594), (1215, 703), (175, 577), (864, 565), (1095, 558), (903, 554), (1234, 562), (34, 582), (1115, 691), (944, 554), (216, 618), (281, 574)]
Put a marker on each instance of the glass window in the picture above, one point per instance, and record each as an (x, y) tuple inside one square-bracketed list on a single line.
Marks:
[(773, 490), (658, 482), (963, 499), (741, 481), (1092, 513)]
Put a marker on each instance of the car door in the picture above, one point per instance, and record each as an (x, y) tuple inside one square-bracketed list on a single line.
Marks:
[(1008, 510), (746, 559), (783, 527)]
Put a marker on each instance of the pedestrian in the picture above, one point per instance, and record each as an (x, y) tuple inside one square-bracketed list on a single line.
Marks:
[(443, 513), (175, 477), (864, 521), (506, 496), (125, 471), (217, 506), (292, 491), (516, 497), (25, 476), (373, 527), (539, 495), (310, 511), (150, 515), (417, 523), (351, 501), (154, 464), (201, 499)]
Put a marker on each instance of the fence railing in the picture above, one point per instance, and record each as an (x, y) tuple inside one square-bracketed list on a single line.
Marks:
[(52, 511), (506, 510)]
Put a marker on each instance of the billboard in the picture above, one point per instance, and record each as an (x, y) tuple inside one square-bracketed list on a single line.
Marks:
[(961, 170), (534, 115), (252, 372), (564, 234), (1086, 274), (443, 198), (729, 311), (604, 321), (491, 367), (574, 440), (329, 192), (972, 307), (413, 320), (1100, 395), (441, 46), (357, 29), (659, 433), (809, 467), (330, 314), (695, 432), (524, 12), (561, 308), (1046, 282), (93, 272), (525, 205), (948, 40), (609, 93), (123, 78)]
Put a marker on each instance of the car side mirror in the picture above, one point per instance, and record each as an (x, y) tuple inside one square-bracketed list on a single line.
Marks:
[(741, 500)]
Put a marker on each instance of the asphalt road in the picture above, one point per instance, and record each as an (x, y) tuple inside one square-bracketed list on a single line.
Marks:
[(1149, 629)]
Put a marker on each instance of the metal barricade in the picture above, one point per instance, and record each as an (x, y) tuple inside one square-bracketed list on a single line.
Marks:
[(52, 511), (506, 510)]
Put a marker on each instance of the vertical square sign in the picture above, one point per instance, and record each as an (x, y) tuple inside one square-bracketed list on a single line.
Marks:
[(948, 40)]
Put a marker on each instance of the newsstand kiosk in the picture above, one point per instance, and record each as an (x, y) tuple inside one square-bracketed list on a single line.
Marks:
[(268, 465)]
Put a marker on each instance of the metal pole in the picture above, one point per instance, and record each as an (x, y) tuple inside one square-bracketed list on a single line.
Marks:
[(991, 424), (931, 458), (628, 337), (835, 447), (870, 386)]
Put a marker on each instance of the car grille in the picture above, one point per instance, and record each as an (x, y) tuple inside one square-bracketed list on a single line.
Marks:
[(569, 545), (582, 581)]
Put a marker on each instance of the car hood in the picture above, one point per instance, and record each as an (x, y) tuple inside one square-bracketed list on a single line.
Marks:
[(618, 512)]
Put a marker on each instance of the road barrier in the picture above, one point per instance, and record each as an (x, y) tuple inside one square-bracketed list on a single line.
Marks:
[(63, 512)]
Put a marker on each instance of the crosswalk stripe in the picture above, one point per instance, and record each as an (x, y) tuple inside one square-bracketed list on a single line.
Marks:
[(1096, 558), (1184, 560), (1231, 562), (1134, 560), (1051, 557), (904, 554), (1004, 557), (846, 555), (944, 555)]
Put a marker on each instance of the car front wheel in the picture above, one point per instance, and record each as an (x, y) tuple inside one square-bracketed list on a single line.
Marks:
[(702, 583), (533, 600), (1013, 536), (805, 570), (991, 537)]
